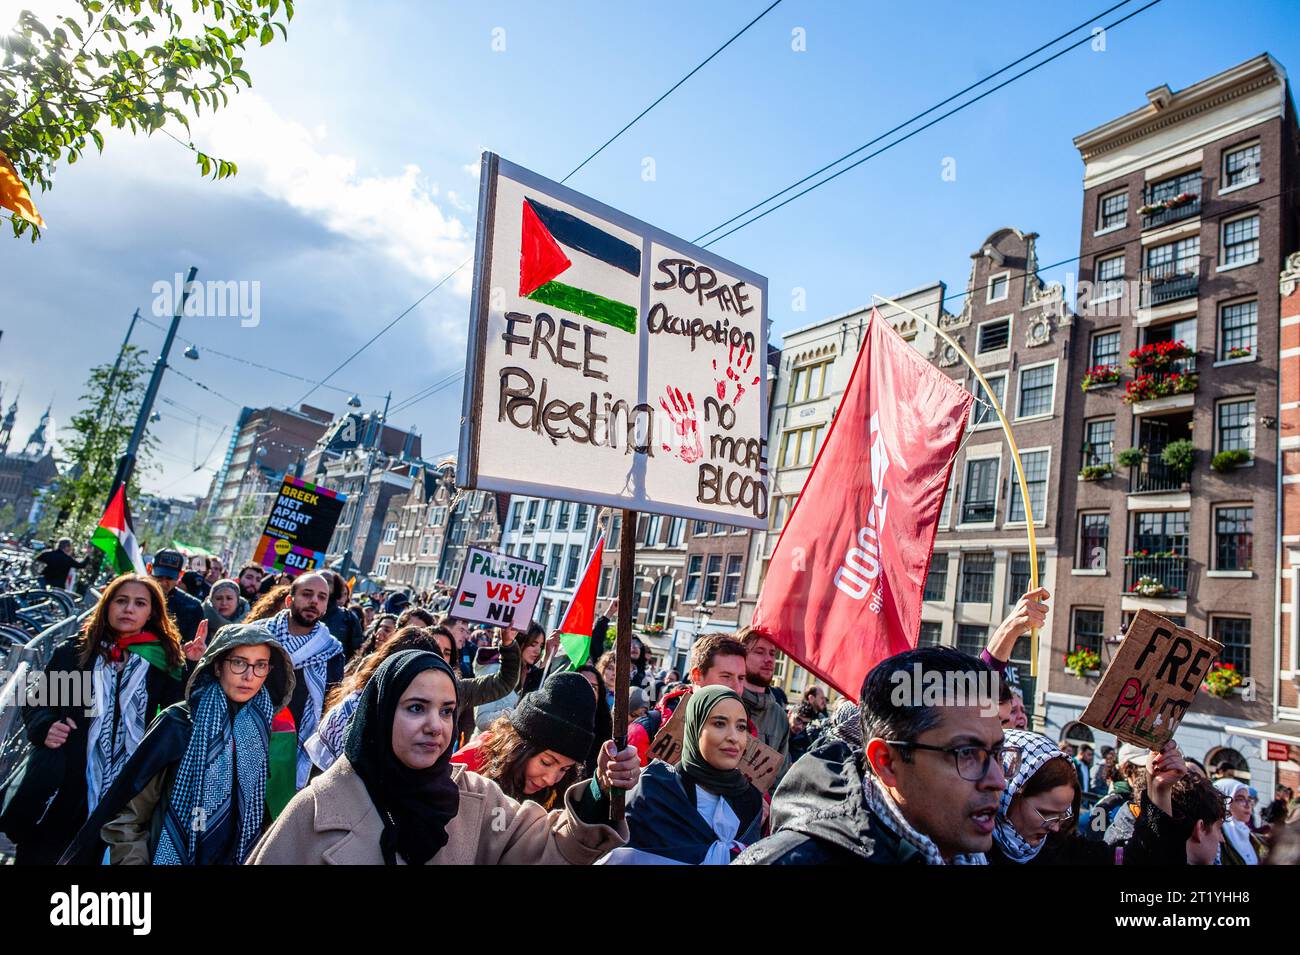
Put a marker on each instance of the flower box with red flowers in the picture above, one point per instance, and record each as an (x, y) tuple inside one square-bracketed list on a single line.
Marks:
[(1099, 375), (1222, 680), (1151, 387), (1158, 355)]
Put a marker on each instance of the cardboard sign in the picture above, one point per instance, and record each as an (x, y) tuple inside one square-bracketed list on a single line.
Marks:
[(497, 589), (1152, 681), (298, 531), (624, 365), (761, 764)]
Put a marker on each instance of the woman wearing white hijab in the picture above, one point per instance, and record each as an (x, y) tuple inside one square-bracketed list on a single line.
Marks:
[(1240, 845)]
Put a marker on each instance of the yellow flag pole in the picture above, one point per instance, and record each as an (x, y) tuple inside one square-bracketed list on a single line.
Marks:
[(1015, 457)]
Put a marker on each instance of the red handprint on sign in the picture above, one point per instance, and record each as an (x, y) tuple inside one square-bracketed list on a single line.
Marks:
[(681, 412), (736, 372)]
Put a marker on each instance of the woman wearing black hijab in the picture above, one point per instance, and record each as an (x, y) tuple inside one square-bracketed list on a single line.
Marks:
[(395, 797), (703, 811)]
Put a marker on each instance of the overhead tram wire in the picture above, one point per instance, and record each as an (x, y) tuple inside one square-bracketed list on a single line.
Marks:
[(569, 176), (907, 122), (919, 129)]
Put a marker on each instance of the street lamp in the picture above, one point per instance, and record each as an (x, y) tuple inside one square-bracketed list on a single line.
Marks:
[(192, 353), (354, 401)]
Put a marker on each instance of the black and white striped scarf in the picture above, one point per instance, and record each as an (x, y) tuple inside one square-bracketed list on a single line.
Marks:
[(310, 653)]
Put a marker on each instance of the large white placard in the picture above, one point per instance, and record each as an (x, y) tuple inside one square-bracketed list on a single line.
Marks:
[(610, 362)]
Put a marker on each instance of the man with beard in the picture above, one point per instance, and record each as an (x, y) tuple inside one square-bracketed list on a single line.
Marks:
[(250, 582), (925, 787), (764, 703), (317, 657)]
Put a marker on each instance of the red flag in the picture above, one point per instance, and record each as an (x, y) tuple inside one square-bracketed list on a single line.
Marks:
[(843, 588), (575, 632)]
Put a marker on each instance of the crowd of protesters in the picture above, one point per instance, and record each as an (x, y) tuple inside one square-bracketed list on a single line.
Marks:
[(259, 718)]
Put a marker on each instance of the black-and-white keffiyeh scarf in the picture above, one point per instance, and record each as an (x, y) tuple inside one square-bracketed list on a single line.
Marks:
[(326, 745), (887, 811), (310, 653), (120, 700), (846, 723), (224, 757), (1035, 751)]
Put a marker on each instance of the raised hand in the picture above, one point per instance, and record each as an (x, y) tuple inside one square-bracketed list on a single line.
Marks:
[(195, 649), (735, 374), (59, 733), (681, 412)]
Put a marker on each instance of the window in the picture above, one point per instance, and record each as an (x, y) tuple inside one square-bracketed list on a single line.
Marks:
[(676, 531), (1237, 425), (562, 521), (390, 532), (731, 586), (516, 515), (1189, 182), (945, 515), (562, 606), (798, 447), (532, 509), (983, 411), (1105, 348), (553, 566), (999, 286), (980, 505), (1233, 538), (936, 581), (971, 639), (1036, 387), (609, 582), (1240, 240), (615, 533), (653, 522), (701, 528), (1099, 442), (1237, 324), (1241, 166), (1112, 210), (809, 381), (977, 578), (931, 635), (539, 554), (1036, 468), (548, 511), (1234, 634), (712, 578), (1160, 531), (692, 590), (381, 566), (719, 529), (1094, 536), (1175, 258), (1109, 279), (580, 517), (1018, 579), (571, 572), (1088, 630), (780, 510), (994, 335)]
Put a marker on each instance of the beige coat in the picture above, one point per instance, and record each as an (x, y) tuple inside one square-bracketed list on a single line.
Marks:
[(334, 822)]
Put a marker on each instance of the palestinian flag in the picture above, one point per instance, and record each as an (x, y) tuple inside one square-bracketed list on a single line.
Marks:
[(116, 539), (281, 763), (555, 243), (150, 649), (575, 631), (467, 599)]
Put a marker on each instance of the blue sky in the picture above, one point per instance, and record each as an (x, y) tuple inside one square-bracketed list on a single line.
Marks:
[(359, 143)]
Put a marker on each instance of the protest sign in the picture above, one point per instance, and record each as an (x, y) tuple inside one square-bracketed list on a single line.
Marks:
[(498, 589), (299, 528), (625, 365), (1151, 682), (761, 764)]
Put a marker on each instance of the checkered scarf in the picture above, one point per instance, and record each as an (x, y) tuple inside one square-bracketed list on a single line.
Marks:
[(887, 811), (310, 653), (121, 697), (1035, 751)]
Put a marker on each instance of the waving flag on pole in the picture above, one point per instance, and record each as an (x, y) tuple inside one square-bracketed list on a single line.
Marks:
[(14, 195), (575, 631), (116, 539), (843, 589)]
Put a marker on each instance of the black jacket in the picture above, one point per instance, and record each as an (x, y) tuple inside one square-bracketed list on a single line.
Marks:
[(57, 566), (186, 613), (820, 816), (65, 790), (345, 627)]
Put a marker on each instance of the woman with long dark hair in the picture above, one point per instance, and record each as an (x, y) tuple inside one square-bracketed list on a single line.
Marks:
[(125, 667), (529, 649)]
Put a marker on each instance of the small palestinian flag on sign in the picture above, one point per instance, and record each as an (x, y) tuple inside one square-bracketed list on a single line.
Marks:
[(467, 599), (556, 243)]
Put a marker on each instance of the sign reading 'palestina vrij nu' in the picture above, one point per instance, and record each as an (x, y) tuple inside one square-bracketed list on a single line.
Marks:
[(609, 362)]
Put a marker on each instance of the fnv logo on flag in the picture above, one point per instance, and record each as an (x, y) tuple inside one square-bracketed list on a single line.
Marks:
[(561, 257), (844, 586)]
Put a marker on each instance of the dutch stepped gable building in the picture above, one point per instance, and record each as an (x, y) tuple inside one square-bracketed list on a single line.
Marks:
[(1188, 211)]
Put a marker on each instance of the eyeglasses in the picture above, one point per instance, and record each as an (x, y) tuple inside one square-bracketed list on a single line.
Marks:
[(238, 665), (972, 761), (1056, 819)]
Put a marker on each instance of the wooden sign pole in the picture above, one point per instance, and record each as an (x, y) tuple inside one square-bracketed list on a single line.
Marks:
[(623, 644)]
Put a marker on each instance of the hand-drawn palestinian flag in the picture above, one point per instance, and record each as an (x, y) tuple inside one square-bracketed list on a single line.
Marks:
[(116, 539), (575, 631), (467, 599), (555, 243)]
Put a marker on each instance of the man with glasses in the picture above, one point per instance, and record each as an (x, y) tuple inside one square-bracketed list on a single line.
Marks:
[(923, 789)]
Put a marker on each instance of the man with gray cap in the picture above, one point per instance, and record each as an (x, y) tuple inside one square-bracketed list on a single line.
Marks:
[(185, 611)]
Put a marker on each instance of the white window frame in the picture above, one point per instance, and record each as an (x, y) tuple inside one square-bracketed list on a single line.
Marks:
[(1078, 543), (1040, 520), (981, 453), (1019, 381), (1011, 330), (1092, 341), (1101, 202), (1223, 166), (1218, 332), (1218, 433), (992, 281), (1096, 270), (993, 421), (1225, 266)]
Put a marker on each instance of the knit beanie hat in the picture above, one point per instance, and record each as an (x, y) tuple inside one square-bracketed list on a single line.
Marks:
[(560, 716)]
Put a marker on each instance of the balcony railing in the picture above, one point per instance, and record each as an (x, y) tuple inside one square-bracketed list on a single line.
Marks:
[(1168, 282), (1186, 210), (978, 512), (1155, 576), (1154, 475)]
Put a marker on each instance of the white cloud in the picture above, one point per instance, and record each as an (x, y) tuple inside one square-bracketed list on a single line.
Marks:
[(400, 214)]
